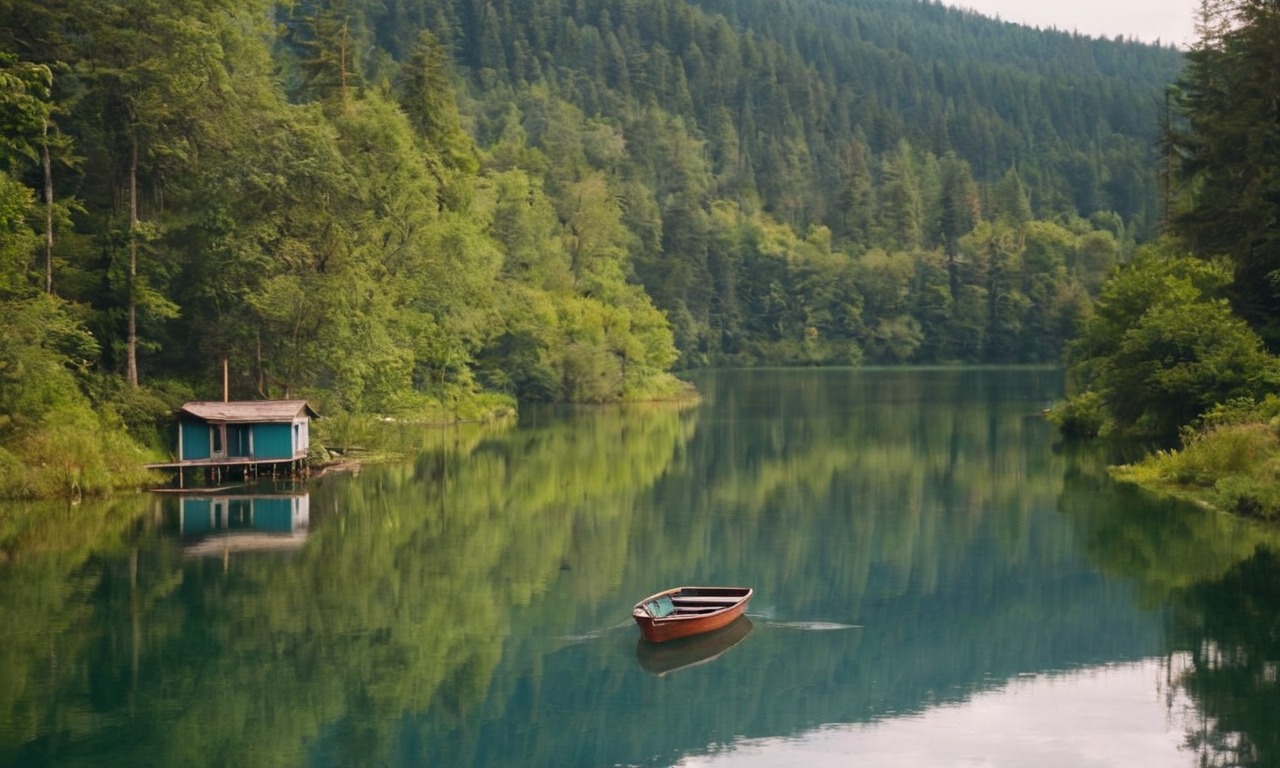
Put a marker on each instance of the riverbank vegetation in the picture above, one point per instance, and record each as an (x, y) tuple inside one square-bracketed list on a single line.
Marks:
[(437, 210), (1181, 347)]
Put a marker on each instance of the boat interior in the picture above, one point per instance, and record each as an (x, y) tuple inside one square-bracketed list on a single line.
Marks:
[(684, 605)]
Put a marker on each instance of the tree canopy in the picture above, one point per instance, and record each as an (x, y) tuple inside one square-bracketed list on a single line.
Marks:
[(1226, 147)]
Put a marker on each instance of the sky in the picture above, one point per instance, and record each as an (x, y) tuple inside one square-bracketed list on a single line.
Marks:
[(1170, 21)]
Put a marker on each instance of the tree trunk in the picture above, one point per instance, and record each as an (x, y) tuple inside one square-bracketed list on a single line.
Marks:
[(131, 345), (48, 210), (342, 68), (260, 370)]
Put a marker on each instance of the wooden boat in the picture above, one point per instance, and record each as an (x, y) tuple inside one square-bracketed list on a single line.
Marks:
[(686, 611), (662, 659)]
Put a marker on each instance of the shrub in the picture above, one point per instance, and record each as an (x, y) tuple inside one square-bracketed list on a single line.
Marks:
[(1249, 496), (1222, 452), (1079, 416)]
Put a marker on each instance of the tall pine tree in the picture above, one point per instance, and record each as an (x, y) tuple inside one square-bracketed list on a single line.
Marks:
[(1229, 152)]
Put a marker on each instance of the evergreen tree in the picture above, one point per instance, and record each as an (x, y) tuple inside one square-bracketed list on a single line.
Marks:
[(1229, 152), (901, 201)]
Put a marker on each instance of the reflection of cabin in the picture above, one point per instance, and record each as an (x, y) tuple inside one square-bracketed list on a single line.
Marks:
[(224, 523), (244, 434)]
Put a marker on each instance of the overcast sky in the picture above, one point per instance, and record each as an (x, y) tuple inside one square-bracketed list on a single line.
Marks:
[(1170, 21)]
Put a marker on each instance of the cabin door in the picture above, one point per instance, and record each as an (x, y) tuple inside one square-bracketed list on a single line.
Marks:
[(239, 442), (218, 441)]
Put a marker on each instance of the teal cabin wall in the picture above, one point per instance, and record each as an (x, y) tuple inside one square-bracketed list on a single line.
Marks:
[(195, 441), (273, 441)]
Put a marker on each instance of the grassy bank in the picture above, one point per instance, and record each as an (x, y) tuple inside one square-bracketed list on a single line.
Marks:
[(1230, 462)]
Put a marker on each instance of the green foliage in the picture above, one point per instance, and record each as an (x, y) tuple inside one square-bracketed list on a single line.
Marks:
[(57, 443), (1230, 460), (17, 241), (73, 456), (25, 108), (1233, 467), (41, 346), (1161, 349), (1226, 146), (1080, 416), (344, 432), (391, 207), (1179, 361)]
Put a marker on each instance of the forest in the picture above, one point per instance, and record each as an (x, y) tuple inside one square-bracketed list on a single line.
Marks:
[(1180, 346), (427, 209)]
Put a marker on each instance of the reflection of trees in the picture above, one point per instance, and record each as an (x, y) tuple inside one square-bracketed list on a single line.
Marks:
[(918, 506), (914, 461), (1221, 576), (401, 602), (1161, 545), (1232, 626), (50, 573), (435, 614)]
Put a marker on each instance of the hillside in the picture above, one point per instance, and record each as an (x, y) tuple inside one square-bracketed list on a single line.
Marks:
[(873, 124), (784, 89)]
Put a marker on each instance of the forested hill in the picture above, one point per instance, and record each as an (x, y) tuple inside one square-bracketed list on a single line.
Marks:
[(886, 127), (785, 91), (389, 205)]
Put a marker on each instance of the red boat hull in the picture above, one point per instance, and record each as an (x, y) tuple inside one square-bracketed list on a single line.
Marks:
[(688, 611)]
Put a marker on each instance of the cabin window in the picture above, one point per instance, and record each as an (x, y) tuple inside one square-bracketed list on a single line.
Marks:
[(217, 433)]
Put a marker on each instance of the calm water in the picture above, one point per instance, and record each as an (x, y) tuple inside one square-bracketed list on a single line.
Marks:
[(939, 582)]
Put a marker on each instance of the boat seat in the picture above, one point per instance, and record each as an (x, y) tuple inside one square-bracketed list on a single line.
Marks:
[(662, 606), (710, 600)]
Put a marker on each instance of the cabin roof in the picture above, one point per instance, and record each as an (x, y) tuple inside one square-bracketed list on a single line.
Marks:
[(249, 410)]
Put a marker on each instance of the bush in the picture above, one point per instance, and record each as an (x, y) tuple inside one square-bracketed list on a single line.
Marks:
[(1240, 411), (1233, 467), (74, 457), (1221, 452), (1249, 497), (343, 432), (1080, 416)]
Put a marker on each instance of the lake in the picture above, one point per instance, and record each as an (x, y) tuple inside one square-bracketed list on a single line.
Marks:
[(940, 581)]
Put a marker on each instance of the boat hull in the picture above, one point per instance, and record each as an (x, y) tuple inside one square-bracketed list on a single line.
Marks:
[(694, 611)]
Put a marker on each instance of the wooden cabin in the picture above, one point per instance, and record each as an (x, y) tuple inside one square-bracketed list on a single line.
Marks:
[(244, 435), (244, 430)]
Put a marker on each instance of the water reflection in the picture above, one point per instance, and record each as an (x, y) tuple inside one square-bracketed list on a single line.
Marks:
[(676, 655), (1117, 715), (1232, 626), (1219, 577), (917, 542), (224, 523)]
